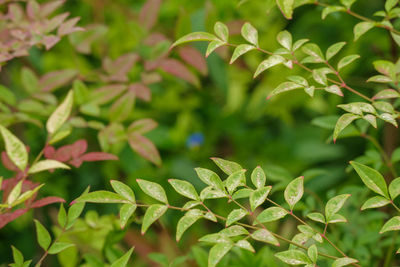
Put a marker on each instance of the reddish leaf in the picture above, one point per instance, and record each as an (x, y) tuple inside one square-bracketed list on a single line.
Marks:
[(78, 148), (154, 39), (46, 201), (49, 7), (8, 164), (145, 148), (11, 216), (119, 68), (98, 156), (56, 79), (149, 14), (193, 57), (56, 21), (50, 40), (69, 27), (177, 69), (107, 93), (141, 91), (142, 126), (49, 152), (64, 153)]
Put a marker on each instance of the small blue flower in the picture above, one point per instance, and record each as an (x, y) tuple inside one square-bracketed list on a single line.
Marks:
[(195, 140)]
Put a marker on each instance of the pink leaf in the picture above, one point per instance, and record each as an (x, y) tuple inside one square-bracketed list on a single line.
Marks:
[(64, 153), (149, 14), (145, 148), (10, 216), (46, 201), (49, 7), (177, 69), (98, 156), (142, 126), (141, 91), (49, 152), (50, 40), (69, 27), (8, 164), (78, 148), (193, 57), (56, 79)]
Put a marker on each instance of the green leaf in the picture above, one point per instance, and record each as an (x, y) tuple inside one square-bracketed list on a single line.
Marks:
[(221, 30), (342, 123), (47, 164), (316, 216), (123, 261), (361, 28), (62, 216), (43, 236), (334, 49), (257, 197), (210, 193), (250, 34), (184, 188), (15, 193), (388, 118), (235, 180), (371, 178), (153, 190), (294, 191), (271, 214), (195, 36), (319, 76), (284, 87), (375, 202), (268, 63), (346, 61), (286, 7), (153, 213), (123, 190), (265, 236), (18, 257), (58, 136), (347, 3), (102, 197), (334, 89), (227, 166), (61, 114), (244, 244), (29, 80), (15, 149), (312, 253), (213, 45), (57, 247), (330, 9), (358, 108), (125, 213), (392, 225), (258, 177), (217, 252), (215, 238), (234, 230), (242, 193), (7, 96), (210, 178), (285, 39), (234, 216), (314, 51), (299, 43), (336, 218), (186, 221), (334, 205), (241, 50), (390, 4), (385, 107), (75, 211), (293, 257), (394, 187), (343, 262)]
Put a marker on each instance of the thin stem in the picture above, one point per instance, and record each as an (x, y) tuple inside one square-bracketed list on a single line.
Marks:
[(39, 263)]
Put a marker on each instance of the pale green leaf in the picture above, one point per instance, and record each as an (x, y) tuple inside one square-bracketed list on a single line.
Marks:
[(123, 190), (375, 202), (18, 257), (268, 63), (15, 149), (294, 191), (343, 262), (394, 187), (153, 213), (47, 164), (334, 89), (186, 221), (334, 205), (271, 214), (234, 216), (316, 216), (217, 252), (392, 225), (390, 4), (314, 51), (250, 34), (286, 7), (102, 197), (258, 177), (330, 9), (334, 49), (221, 30), (257, 197), (210, 178), (62, 216), (244, 244), (342, 123), (123, 261), (57, 247), (293, 257), (336, 218), (125, 213), (386, 93), (234, 230), (312, 253), (235, 180), (241, 50), (61, 114), (195, 36), (184, 188), (213, 45), (265, 236), (361, 28), (227, 166), (346, 61), (153, 190), (388, 118), (15, 193), (285, 39), (284, 87)]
